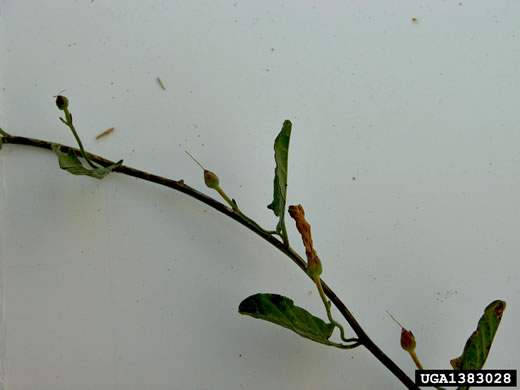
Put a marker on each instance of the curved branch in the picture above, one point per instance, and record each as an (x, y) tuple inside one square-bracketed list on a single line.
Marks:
[(179, 185)]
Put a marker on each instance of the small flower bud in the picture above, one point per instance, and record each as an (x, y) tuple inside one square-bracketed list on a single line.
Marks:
[(62, 102), (314, 268), (211, 179), (407, 340)]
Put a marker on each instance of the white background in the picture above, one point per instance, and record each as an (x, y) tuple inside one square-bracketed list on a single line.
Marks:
[(122, 284)]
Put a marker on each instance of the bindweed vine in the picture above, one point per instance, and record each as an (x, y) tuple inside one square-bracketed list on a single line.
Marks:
[(272, 307)]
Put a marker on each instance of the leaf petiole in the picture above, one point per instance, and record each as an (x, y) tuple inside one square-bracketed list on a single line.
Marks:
[(69, 160), (68, 122), (4, 133), (327, 304)]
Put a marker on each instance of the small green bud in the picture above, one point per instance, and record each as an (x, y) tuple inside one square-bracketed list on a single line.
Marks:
[(62, 102), (407, 340), (314, 268), (210, 179)]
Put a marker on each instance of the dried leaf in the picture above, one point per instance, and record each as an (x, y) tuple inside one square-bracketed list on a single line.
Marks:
[(314, 267)]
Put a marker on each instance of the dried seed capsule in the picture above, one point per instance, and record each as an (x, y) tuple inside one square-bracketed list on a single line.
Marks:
[(407, 340), (314, 268), (62, 102), (211, 179)]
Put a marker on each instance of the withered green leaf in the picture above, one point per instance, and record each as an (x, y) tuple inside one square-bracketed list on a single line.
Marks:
[(70, 162), (479, 343), (281, 310), (281, 156)]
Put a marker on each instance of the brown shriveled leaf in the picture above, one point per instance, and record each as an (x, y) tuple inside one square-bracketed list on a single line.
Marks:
[(314, 267)]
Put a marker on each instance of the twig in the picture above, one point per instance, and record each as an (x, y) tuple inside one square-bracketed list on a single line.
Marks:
[(180, 186)]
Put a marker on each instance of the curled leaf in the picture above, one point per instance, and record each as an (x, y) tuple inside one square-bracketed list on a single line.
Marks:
[(280, 310), (314, 267), (281, 156), (70, 162)]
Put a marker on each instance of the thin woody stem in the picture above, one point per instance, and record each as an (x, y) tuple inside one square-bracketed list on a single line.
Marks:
[(179, 185)]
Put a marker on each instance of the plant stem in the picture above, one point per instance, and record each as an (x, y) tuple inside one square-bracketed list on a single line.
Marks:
[(317, 280), (283, 233), (179, 185), (234, 206), (416, 360), (226, 198), (68, 122)]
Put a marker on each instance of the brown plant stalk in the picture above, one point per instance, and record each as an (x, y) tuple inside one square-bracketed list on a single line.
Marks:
[(179, 185)]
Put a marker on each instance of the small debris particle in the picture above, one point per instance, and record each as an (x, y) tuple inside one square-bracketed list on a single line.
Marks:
[(161, 83), (415, 20), (353, 178), (104, 133)]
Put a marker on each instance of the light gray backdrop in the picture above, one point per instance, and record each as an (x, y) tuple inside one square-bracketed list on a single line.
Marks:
[(405, 154)]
